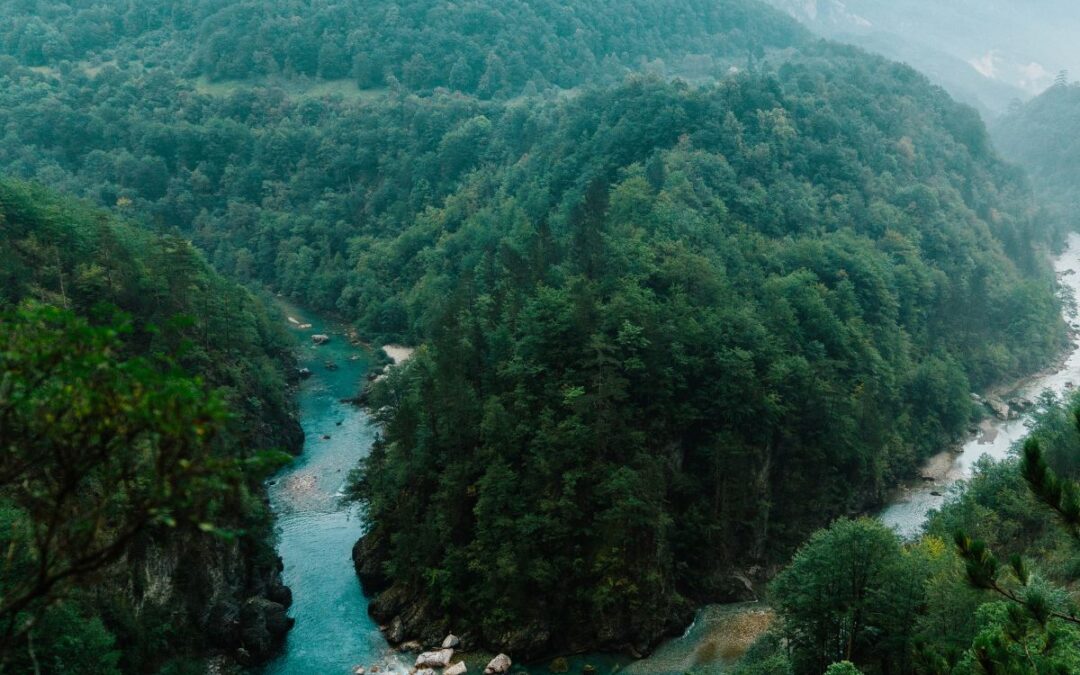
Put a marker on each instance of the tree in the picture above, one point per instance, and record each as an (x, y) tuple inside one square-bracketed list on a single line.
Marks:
[(1034, 627), (826, 598), (96, 450)]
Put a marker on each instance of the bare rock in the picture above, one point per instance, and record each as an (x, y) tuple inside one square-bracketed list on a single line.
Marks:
[(451, 642), (436, 659), (498, 665), (396, 633), (1000, 409), (456, 669)]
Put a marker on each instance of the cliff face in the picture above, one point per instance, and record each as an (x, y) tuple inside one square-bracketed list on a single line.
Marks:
[(222, 595)]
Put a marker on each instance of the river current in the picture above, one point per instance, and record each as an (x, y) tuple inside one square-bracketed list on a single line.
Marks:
[(316, 532)]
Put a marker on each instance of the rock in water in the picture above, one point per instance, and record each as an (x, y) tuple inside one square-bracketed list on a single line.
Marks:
[(451, 642), (500, 664), (456, 669), (425, 671), (320, 339), (436, 659), (999, 408)]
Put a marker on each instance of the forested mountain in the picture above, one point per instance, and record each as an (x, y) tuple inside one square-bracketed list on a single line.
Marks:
[(675, 332), (666, 329), (985, 52), (181, 410), (488, 47), (1042, 137)]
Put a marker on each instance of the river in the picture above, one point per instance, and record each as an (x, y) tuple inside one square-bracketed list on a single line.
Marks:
[(333, 631)]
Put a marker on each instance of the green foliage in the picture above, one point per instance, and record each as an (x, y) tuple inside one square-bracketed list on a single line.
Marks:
[(488, 48), (111, 450), (677, 334), (96, 449), (843, 668), (957, 610), (668, 329), (845, 589)]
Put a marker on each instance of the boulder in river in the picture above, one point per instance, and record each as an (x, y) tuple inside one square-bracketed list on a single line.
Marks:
[(498, 665), (304, 373), (458, 668), (320, 339), (451, 642), (264, 624), (1000, 409), (425, 671), (436, 659)]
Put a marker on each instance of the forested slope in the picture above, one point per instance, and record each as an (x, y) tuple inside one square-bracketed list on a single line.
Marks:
[(167, 590), (676, 332), (1041, 136), (491, 48)]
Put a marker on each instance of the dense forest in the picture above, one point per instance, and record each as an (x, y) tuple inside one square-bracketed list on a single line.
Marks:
[(1041, 136), (717, 317), (489, 48), (667, 327), (987, 589), (135, 416)]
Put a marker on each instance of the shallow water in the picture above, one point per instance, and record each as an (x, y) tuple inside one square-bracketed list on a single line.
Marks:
[(908, 513), (333, 631)]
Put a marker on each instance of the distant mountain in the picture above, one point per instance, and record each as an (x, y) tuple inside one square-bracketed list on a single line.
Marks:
[(985, 52)]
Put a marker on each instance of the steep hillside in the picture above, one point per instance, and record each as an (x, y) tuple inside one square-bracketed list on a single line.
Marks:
[(166, 592), (675, 332), (1042, 137)]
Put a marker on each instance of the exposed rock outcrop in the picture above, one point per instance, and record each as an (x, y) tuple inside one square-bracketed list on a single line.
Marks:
[(436, 659), (498, 665), (458, 668)]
